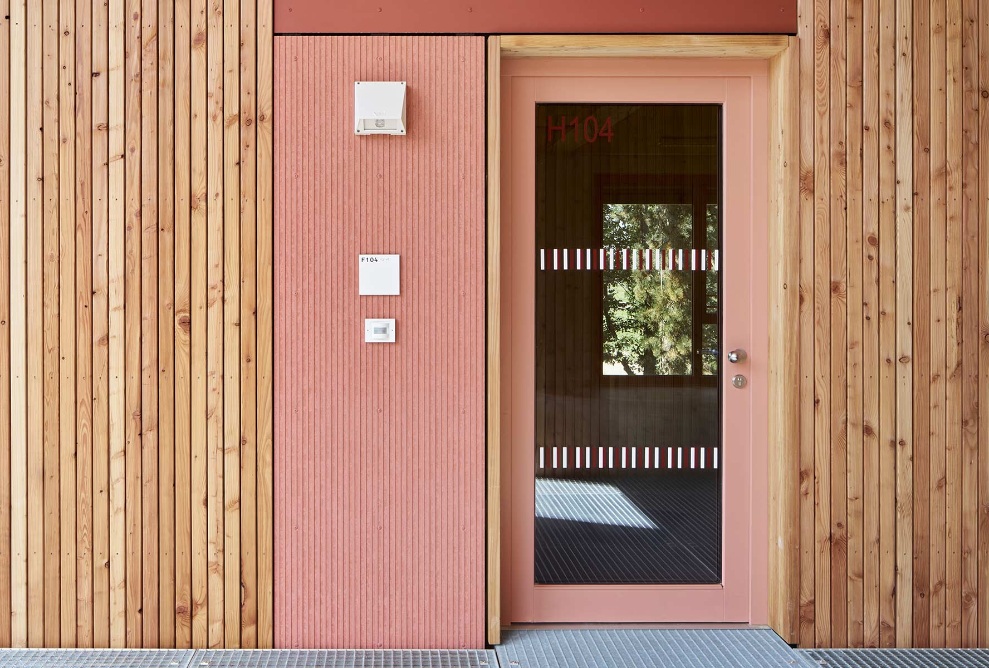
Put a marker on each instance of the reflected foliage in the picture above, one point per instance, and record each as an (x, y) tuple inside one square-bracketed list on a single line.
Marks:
[(647, 317)]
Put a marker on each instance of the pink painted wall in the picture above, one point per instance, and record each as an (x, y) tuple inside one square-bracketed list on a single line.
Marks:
[(544, 16), (379, 449)]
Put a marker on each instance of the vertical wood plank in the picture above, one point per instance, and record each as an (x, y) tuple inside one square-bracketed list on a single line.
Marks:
[(854, 274), (66, 326), (822, 324), (983, 340), (101, 325), (838, 147), (83, 482), (116, 297), (214, 322), (936, 291), (784, 556), (889, 363), (165, 380), (953, 326), (871, 317), (808, 545), (970, 330), (35, 327), (148, 305), (921, 322), (67, 323), (248, 327), (230, 385), (265, 278), (18, 323), (199, 276), (132, 322), (494, 341), (182, 328), (51, 334), (5, 305), (904, 319)]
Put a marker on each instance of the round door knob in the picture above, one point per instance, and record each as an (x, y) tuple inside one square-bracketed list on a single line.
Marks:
[(736, 356)]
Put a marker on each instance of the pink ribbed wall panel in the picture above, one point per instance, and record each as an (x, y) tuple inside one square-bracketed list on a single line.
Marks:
[(379, 450)]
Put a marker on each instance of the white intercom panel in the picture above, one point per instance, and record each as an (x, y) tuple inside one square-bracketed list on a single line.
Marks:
[(379, 330)]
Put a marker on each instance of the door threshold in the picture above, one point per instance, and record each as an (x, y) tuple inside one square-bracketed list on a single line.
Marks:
[(646, 626)]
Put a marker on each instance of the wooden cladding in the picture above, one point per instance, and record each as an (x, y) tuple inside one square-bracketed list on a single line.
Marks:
[(893, 228), (136, 323)]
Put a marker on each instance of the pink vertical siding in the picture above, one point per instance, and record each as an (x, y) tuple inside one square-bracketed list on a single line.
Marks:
[(379, 450)]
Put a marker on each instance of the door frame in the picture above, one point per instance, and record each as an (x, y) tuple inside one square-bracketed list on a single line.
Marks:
[(780, 572)]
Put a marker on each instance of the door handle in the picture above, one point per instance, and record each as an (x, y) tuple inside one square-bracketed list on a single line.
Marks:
[(736, 356)]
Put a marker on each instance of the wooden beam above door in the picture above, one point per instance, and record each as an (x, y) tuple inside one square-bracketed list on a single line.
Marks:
[(633, 46)]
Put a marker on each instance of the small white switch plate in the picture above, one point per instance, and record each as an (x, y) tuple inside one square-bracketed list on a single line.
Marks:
[(378, 274), (379, 330)]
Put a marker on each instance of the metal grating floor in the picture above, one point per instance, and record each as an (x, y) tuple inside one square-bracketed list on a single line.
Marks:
[(634, 648), (597, 648), (96, 658), (899, 658), (346, 658)]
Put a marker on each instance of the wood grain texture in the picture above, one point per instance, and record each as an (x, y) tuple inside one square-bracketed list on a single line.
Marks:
[(921, 322), (133, 228), (103, 244), (247, 211), (147, 306), (214, 322), (5, 308), (971, 464), (871, 316), (83, 487), (182, 327), (265, 322), (855, 317), (51, 335), (116, 260), (165, 369), (911, 230), (822, 325), (230, 387), (937, 224), (839, 324), (904, 321), (493, 362), (953, 326), (101, 324), (35, 330), (67, 324), (888, 442), (784, 428), (670, 46), (806, 418), (983, 340), (198, 297), (18, 323)]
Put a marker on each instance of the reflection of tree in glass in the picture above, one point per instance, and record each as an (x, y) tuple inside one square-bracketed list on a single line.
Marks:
[(647, 314), (710, 329)]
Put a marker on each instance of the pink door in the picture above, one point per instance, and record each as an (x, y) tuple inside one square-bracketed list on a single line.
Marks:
[(634, 375)]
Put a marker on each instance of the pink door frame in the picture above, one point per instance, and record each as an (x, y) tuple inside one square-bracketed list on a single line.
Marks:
[(742, 87)]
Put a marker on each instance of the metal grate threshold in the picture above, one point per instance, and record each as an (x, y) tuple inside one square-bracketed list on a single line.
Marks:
[(898, 658), (542, 648)]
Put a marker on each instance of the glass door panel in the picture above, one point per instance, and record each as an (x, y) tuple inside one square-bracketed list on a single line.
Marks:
[(628, 433)]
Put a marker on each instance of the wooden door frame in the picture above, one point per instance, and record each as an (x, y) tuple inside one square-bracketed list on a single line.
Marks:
[(783, 431)]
